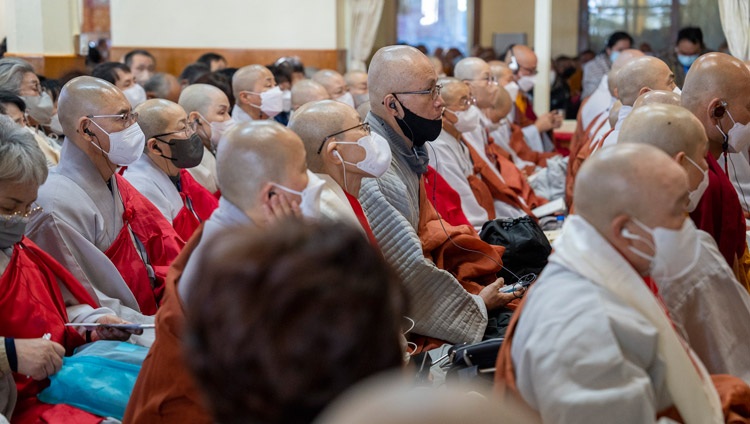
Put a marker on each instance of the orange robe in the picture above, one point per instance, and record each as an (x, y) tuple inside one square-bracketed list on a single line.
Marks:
[(165, 391), (518, 144), (581, 148)]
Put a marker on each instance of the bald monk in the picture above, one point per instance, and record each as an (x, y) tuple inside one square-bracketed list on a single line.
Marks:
[(100, 228), (441, 307), (342, 151), (162, 85), (593, 123), (715, 88), (657, 97), (256, 94), (172, 147), (708, 306), (509, 136), (485, 195), (257, 163), (356, 83), (615, 352), (476, 73), (209, 107), (307, 91), (335, 86), (637, 77), (522, 61)]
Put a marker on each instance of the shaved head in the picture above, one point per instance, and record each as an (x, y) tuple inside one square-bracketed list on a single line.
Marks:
[(625, 57), (394, 69), (156, 115), (332, 81), (246, 78), (640, 75), (356, 81), (661, 97), (315, 121), (670, 128), (470, 68), (501, 72), (453, 89), (715, 78), (85, 96), (525, 57), (199, 97), (307, 91), (253, 154), (642, 176)]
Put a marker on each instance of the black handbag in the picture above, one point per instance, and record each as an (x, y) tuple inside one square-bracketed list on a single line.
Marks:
[(526, 246)]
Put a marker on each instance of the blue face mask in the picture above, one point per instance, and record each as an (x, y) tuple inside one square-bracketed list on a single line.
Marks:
[(613, 56), (686, 61)]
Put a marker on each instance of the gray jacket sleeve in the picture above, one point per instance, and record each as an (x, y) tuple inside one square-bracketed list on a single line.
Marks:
[(440, 306)]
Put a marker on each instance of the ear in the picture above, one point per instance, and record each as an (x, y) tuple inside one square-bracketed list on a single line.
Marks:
[(616, 227), (643, 91), (150, 95), (331, 153), (716, 110), (266, 193), (195, 116), (392, 106), (152, 145), (83, 128), (617, 94)]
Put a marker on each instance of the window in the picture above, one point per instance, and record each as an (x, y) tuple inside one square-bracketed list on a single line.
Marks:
[(651, 21), (434, 23)]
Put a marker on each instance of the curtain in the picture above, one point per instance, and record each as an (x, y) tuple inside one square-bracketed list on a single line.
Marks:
[(735, 20), (365, 18)]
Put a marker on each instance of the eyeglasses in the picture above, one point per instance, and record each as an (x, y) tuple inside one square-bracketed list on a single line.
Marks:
[(365, 127), (16, 217), (490, 80), (532, 71), (434, 91), (188, 130), (127, 117)]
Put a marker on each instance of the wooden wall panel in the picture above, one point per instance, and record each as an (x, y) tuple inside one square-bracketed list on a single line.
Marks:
[(53, 66), (173, 60)]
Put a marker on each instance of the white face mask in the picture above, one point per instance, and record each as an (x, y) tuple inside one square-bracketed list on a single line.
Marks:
[(40, 107), (377, 155), (346, 99), (126, 146), (468, 120), (493, 126), (55, 126), (526, 82), (135, 95), (512, 89), (271, 101), (286, 100), (310, 204), (738, 138), (218, 129), (695, 195), (677, 90), (675, 251)]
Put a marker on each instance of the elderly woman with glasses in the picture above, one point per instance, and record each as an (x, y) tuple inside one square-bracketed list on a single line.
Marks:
[(39, 296)]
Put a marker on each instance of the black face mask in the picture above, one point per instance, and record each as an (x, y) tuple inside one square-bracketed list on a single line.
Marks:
[(186, 152), (417, 129)]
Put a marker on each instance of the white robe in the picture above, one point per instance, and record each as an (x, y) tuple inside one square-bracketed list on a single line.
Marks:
[(501, 135), (240, 115), (451, 159), (739, 175), (612, 138), (711, 311), (79, 221), (334, 204), (227, 215), (205, 172), (155, 185), (587, 350), (600, 100)]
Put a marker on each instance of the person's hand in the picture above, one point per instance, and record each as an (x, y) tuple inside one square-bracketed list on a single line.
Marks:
[(558, 119), (38, 358), (546, 122), (492, 297), (109, 333), (279, 208)]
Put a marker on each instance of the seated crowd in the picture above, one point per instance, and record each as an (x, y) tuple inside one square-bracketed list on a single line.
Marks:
[(274, 240)]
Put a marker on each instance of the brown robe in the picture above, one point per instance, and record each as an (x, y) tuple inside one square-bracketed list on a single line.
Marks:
[(584, 147), (518, 144), (165, 391)]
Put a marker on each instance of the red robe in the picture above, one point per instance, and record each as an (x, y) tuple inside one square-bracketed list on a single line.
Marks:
[(444, 198), (31, 304), (198, 203), (159, 239), (362, 218), (719, 213)]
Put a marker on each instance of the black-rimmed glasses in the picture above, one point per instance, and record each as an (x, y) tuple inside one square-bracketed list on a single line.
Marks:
[(434, 91), (365, 126)]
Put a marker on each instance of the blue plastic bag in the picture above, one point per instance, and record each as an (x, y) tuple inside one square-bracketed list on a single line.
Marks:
[(98, 378)]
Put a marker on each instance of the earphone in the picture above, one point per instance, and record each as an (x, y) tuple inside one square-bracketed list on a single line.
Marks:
[(513, 65), (88, 132), (392, 105)]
